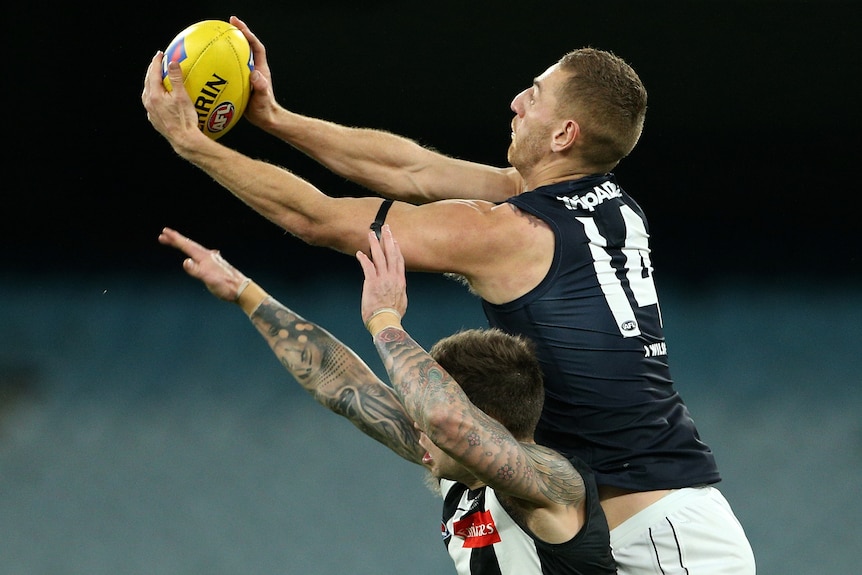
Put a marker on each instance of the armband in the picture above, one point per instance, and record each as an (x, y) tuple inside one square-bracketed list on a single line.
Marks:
[(380, 218)]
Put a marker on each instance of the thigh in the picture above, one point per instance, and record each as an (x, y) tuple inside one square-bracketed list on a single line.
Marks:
[(699, 536)]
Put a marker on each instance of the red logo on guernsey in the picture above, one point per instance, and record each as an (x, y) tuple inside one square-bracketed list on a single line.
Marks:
[(477, 529)]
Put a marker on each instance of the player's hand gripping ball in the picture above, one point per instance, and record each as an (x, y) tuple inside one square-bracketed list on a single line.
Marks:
[(216, 61)]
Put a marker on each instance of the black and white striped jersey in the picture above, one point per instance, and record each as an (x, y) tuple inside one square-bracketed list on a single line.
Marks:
[(483, 539)]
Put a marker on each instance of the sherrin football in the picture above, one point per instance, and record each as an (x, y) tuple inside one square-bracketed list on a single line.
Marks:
[(216, 61)]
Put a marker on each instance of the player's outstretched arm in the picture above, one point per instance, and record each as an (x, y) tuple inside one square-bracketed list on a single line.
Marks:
[(390, 165), (478, 240), (547, 486), (393, 166), (274, 192), (330, 371)]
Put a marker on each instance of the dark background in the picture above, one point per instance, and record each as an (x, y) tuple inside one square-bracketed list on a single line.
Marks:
[(145, 428), (744, 166)]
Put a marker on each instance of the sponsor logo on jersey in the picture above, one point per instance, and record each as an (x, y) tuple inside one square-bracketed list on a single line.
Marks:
[(655, 349), (477, 529), (593, 198)]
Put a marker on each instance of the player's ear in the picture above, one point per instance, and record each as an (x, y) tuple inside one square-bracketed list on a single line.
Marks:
[(566, 134)]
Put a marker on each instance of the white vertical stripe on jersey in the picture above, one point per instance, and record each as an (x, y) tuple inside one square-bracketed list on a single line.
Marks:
[(637, 258), (615, 295), (516, 553)]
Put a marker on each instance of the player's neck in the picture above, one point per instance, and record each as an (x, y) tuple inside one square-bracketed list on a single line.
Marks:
[(553, 172)]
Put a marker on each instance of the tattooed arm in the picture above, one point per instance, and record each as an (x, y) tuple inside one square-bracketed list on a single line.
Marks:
[(329, 370), (336, 377), (542, 485), (477, 441)]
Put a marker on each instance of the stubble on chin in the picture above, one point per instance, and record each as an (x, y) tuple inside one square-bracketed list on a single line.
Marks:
[(433, 484)]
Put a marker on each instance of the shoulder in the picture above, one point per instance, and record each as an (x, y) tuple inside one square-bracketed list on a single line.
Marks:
[(465, 229), (555, 511)]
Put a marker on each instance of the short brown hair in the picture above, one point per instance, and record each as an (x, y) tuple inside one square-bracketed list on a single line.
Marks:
[(499, 373), (606, 97)]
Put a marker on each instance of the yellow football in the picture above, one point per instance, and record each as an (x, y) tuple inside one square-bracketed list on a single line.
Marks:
[(216, 61)]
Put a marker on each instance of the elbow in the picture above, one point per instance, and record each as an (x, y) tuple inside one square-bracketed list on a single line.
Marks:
[(312, 235), (309, 231), (332, 229)]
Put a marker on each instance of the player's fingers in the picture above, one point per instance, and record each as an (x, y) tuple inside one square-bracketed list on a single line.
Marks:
[(153, 74), (365, 263), (400, 267), (377, 256), (259, 83), (184, 244), (175, 73), (192, 267), (392, 253), (253, 41), (171, 237)]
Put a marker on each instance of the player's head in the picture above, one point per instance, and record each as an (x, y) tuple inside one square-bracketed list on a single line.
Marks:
[(499, 373), (607, 99)]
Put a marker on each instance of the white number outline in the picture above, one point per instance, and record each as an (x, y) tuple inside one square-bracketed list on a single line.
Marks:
[(636, 251)]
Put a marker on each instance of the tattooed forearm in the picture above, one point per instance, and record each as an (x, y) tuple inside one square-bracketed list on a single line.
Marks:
[(421, 384), (375, 410), (479, 442), (337, 378)]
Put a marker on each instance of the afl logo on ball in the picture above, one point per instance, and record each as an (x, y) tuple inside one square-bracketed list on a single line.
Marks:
[(221, 116), (176, 52)]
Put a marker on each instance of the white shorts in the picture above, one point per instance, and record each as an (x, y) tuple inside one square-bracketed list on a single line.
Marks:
[(690, 531)]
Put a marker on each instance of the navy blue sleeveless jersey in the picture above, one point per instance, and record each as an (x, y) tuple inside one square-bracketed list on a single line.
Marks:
[(596, 323), (483, 539)]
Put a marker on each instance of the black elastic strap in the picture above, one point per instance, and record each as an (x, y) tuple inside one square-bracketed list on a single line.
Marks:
[(381, 217)]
